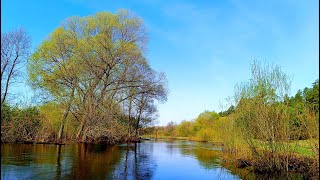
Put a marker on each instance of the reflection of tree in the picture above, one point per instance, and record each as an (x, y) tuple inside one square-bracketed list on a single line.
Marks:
[(30, 161), (26, 154), (144, 165), (207, 158), (94, 161), (137, 162), (172, 146), (82, 161), (125, 172), (58, 172)]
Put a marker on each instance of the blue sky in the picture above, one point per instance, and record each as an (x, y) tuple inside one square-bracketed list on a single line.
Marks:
[(204, 48)]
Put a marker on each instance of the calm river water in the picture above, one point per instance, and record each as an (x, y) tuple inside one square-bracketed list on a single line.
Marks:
[(146, 160)]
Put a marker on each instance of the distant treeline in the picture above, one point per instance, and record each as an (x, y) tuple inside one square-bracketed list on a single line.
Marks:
[(91, 77)]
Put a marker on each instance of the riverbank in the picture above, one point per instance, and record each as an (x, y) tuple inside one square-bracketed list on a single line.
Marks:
[(306, 167), (75, 141), (180, 138)]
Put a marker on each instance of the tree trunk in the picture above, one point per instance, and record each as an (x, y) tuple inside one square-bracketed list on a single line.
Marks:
[(137, 125), (65, 115), (81, 129), (10, 75), (84, 136), (129, 118)]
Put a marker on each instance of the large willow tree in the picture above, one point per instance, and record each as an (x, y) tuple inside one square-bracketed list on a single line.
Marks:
[(94, 67)]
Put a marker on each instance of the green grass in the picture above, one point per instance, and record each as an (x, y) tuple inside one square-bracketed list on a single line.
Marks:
[(304, 147), (304, 151), (300, 147)]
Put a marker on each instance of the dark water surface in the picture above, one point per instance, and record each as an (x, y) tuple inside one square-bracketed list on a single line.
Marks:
[(146, 160)]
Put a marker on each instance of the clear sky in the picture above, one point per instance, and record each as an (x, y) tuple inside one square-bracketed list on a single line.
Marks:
[(204, 47)]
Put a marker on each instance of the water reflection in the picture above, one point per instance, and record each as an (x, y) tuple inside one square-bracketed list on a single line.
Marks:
[(207, 158), (147, 160), (93, 161), (191, 160), (58, 162), (58, 174), (137, 163)]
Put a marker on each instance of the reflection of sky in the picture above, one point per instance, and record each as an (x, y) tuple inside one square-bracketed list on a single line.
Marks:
[(173, 164), (31, 171), (34, 171)]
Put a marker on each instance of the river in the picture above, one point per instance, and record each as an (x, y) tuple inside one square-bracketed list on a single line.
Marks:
[(146, 160)]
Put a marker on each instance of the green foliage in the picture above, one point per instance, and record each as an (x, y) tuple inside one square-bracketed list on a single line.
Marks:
[(5, 113), (205, 120), (312, 96), (300, 106), (184, 129), (51, 114), (19, 124), (308, 97), (170, 129), (230, 110)]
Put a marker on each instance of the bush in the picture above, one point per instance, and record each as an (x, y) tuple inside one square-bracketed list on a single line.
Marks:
[(266, 120), (19, 125)]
